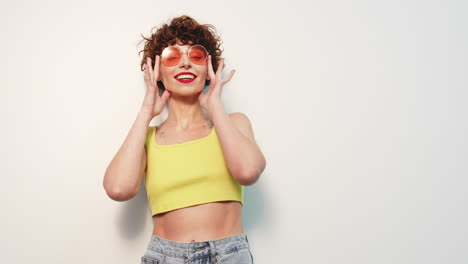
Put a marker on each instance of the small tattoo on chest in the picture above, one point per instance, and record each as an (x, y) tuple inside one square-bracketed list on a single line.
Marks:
[(163, 139), (209, 125)]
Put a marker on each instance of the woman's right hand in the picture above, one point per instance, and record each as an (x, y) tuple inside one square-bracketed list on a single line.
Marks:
[(153, 103)]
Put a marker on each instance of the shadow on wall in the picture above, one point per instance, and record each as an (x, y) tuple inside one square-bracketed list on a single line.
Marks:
[(256, 208), (136, 213)]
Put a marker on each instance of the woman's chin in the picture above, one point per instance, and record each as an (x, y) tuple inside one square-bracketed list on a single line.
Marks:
[(188, 92)]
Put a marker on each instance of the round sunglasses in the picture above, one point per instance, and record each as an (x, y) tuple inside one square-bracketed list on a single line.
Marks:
[(197, 54)]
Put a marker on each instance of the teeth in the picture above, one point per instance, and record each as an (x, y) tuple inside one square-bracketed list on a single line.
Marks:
[(185, 76)]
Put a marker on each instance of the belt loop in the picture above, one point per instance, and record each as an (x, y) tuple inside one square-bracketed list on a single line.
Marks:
[(213, 252)]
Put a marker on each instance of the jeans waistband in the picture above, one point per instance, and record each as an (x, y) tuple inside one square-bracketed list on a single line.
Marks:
[(181, 249)]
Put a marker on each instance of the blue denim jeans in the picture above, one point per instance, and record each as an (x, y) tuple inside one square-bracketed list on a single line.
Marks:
[(228, 250)]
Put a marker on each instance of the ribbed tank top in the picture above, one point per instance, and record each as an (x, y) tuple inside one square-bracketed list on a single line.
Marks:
[(186, 174)]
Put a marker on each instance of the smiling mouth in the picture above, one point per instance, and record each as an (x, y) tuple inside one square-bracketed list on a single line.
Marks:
[(185, 77)]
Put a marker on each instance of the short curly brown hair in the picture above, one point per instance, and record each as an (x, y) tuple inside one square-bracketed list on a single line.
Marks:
[(184, 30)]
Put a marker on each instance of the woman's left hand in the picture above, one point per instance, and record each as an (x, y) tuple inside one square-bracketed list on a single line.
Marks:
[(211, 100)]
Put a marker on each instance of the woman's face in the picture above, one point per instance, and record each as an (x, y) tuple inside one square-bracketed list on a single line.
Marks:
[(190, 83)]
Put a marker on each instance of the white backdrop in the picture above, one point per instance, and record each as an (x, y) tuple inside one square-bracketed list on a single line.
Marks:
[(359, 107)]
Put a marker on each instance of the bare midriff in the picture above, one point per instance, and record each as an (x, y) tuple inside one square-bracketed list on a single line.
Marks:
[(201, 222)]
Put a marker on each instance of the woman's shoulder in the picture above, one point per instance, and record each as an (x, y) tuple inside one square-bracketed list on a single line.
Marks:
[(242, 122), (240, 119), (238, 115)]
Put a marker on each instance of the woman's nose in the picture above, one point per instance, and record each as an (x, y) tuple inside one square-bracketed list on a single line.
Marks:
[(185, 61)]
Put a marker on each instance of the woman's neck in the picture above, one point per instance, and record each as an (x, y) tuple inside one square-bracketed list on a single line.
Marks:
[(185, 112)]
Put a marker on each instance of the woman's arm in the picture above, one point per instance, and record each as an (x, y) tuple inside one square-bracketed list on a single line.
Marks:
[(244, 158), (123, 175)]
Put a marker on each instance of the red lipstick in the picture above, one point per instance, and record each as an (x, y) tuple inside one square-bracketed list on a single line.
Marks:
[(186, 80)]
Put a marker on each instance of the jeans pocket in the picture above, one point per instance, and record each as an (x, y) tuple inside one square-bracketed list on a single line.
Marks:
[(251, 256), (242, 256)]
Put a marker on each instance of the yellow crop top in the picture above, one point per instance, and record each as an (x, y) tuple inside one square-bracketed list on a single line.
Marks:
[(186, 174)]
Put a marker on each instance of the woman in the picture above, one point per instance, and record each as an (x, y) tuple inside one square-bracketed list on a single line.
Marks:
[(197, 160)]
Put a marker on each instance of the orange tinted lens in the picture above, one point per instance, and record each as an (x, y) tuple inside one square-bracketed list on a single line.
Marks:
[(170, 56), (197, 54)]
